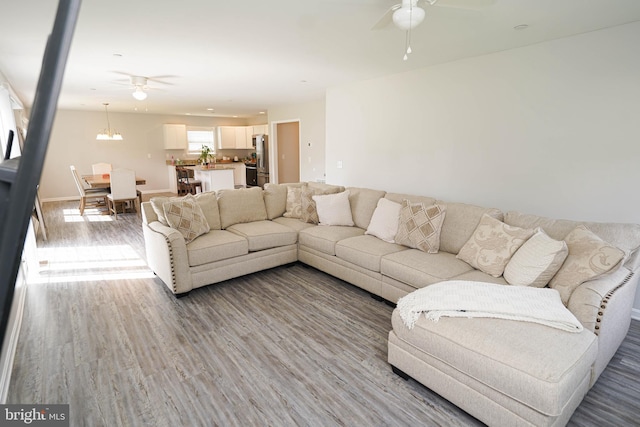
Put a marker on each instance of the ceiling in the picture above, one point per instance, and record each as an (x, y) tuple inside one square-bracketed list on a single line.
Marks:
[(243, 57)]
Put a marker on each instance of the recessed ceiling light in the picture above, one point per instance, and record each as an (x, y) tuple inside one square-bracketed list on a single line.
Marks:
[(261, 112), (209, 109), (235, 117), (521, 27), (187, 114)]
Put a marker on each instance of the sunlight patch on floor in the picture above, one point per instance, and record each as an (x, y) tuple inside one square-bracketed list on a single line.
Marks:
[(89, 263), (90, 215)]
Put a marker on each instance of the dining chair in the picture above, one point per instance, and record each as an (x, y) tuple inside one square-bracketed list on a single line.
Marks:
[(88, 196), (186, 185), (123, 190), (101, 168)]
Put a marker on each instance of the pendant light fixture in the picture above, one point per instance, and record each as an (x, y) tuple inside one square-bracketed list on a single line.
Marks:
[(108, 134)]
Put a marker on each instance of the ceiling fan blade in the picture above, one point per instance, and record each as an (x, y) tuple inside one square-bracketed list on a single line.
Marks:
[(464, 4), (386, 18)]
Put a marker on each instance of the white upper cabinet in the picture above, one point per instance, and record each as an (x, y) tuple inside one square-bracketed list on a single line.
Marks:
[(243, 137), (175, 136), (260, 130), (226, 137)]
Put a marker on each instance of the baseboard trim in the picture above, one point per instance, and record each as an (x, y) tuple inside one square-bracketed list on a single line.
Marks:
[(635, 313)]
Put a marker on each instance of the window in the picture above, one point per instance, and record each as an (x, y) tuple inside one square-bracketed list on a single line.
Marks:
[(199, 136)]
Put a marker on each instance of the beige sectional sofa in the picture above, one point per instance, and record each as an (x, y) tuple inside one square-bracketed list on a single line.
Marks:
[(503, 372)]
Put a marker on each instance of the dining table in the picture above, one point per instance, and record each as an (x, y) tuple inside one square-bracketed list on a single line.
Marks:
[(104, 180)]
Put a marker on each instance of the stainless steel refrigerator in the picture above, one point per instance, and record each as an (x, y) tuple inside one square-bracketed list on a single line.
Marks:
[(261, 144)]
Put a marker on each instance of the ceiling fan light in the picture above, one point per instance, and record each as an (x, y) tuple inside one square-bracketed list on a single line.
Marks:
[(408, 17), (139, 94)]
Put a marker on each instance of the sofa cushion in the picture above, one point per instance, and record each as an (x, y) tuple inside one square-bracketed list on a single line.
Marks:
[(334, 209), (324, 238), (265, 234), (294, 223), (589, 257), (420, 269), (492, 245), (309, 209), (294, 202), (399, 197), (419, 226), (275, 199), (208, 203), (186, 216), (460, 223), (384, 222), (620, 235), (363, 203), (527, 362), (214, 246), (365, 251), (537, 261), (480, 276), (241, 205)]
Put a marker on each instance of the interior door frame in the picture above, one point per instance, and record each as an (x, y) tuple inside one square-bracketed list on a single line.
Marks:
[(273, 147)]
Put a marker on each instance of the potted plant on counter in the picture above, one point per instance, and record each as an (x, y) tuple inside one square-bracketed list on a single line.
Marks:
[(205, 156)]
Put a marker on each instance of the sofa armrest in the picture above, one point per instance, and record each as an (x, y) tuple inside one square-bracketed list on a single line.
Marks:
[(167, 256), (604, 306)]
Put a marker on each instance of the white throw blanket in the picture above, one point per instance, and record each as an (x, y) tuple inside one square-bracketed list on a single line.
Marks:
[(457, 298)]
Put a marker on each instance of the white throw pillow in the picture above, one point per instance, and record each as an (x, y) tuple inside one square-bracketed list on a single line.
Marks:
[(384, 222), (537, 261), (334, 209)]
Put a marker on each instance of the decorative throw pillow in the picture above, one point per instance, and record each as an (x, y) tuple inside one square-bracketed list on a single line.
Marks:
[(384, 222), (537, 261), (589, 257), (186, 217), (492, 245), (309, 211), (294, 202), (334, 209), (157, 205), (419, 226)]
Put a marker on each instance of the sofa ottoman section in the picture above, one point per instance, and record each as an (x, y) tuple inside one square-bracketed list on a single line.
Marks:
[(216, 245), (265, 234), (366, 251), (324, 238), (537, 375), (420, 269)]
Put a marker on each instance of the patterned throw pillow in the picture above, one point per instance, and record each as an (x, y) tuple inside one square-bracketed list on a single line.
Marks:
[(294, 203), (309, 210), (186, 216), (419, 226), (589, 257), (492, 245), (537, 261)]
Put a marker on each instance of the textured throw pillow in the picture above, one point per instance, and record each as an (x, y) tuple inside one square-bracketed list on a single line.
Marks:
[(492, 245), (186, 217), (294, 202), (157, 204), (537, 261), (384, 222), (419, 226), (309, 211), (334, 209), (589, 257)]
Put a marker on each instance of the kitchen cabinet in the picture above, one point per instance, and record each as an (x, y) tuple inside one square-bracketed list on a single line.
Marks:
[(231, 137), (260, 130), (214, 179), (226, 137), (175, 136)]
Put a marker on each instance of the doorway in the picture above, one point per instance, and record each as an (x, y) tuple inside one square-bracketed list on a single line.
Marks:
[(288, 151)]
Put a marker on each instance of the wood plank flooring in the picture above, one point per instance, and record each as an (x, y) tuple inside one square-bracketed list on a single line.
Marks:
[(285, 347)]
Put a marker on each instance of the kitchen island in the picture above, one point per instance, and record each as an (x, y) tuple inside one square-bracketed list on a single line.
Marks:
[(214, 179)]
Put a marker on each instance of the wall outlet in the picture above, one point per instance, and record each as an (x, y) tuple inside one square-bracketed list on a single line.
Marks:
[(339, 165)]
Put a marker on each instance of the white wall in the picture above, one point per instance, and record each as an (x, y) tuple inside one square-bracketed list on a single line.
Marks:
[(73, 142), (551, 129), (312, 135)]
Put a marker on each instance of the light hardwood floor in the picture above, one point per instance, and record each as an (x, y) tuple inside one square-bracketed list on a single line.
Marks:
[(284, 347)]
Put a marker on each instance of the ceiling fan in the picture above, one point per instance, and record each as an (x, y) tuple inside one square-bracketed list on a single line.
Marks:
[(140, 84), (409, 14)]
